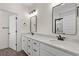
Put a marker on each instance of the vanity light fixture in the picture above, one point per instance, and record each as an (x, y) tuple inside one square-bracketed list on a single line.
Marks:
[(32, 13), (54, 4)]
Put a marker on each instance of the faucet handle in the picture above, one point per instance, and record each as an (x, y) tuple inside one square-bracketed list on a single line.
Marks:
[(60, 37), (63, 37)]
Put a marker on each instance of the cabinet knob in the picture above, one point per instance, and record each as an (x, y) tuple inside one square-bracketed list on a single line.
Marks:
[(28, 45), (34, 50), (28, 40), (8, 33), (35, 43)]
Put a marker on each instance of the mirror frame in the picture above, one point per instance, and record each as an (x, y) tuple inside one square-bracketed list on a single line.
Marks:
[(53, 28), (31, 23)]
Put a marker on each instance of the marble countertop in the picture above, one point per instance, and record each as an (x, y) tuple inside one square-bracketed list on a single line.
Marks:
[(67, 46)]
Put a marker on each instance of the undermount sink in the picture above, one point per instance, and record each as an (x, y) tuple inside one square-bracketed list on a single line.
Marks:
[(59, 42), (55, 40)]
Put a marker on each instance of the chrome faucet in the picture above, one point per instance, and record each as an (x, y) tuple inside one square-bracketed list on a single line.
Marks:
[(60, 38)]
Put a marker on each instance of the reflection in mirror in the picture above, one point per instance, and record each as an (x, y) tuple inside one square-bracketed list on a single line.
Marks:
[(64, 18), (59, 25)]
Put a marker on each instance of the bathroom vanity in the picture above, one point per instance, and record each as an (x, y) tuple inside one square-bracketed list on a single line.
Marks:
[(36, 45)]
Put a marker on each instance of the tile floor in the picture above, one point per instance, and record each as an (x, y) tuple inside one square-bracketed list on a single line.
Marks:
[(11, 52)]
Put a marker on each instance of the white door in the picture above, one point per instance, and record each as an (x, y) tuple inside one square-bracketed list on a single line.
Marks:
[(12, 32)]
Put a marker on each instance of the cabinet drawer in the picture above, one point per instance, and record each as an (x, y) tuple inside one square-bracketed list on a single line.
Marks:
[(29, 39), (25, 41), (53, 50), (35, 52), (35, 43), (29, 42), (29, 47)]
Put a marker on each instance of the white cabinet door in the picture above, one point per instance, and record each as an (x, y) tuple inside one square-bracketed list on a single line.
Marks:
[(53, 50), (24, 43), (29, 46), (45, 53), (35, 48)]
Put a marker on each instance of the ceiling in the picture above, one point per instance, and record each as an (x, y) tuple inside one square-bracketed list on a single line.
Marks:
[(17, 7), (34, 4), (39, 4)]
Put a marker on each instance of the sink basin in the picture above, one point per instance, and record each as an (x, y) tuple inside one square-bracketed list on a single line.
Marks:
[(58, 42), (55, 40)]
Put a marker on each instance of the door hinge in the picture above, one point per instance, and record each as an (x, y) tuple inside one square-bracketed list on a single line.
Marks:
[(16, 18), (77, 10), (8, 33), (16, 31), (16, 44)]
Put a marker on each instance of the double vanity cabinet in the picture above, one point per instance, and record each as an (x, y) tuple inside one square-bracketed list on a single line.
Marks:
[(34, 47)]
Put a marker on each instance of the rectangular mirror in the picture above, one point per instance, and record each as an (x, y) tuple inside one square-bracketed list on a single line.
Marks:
[(64, 18), (33, 24)]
